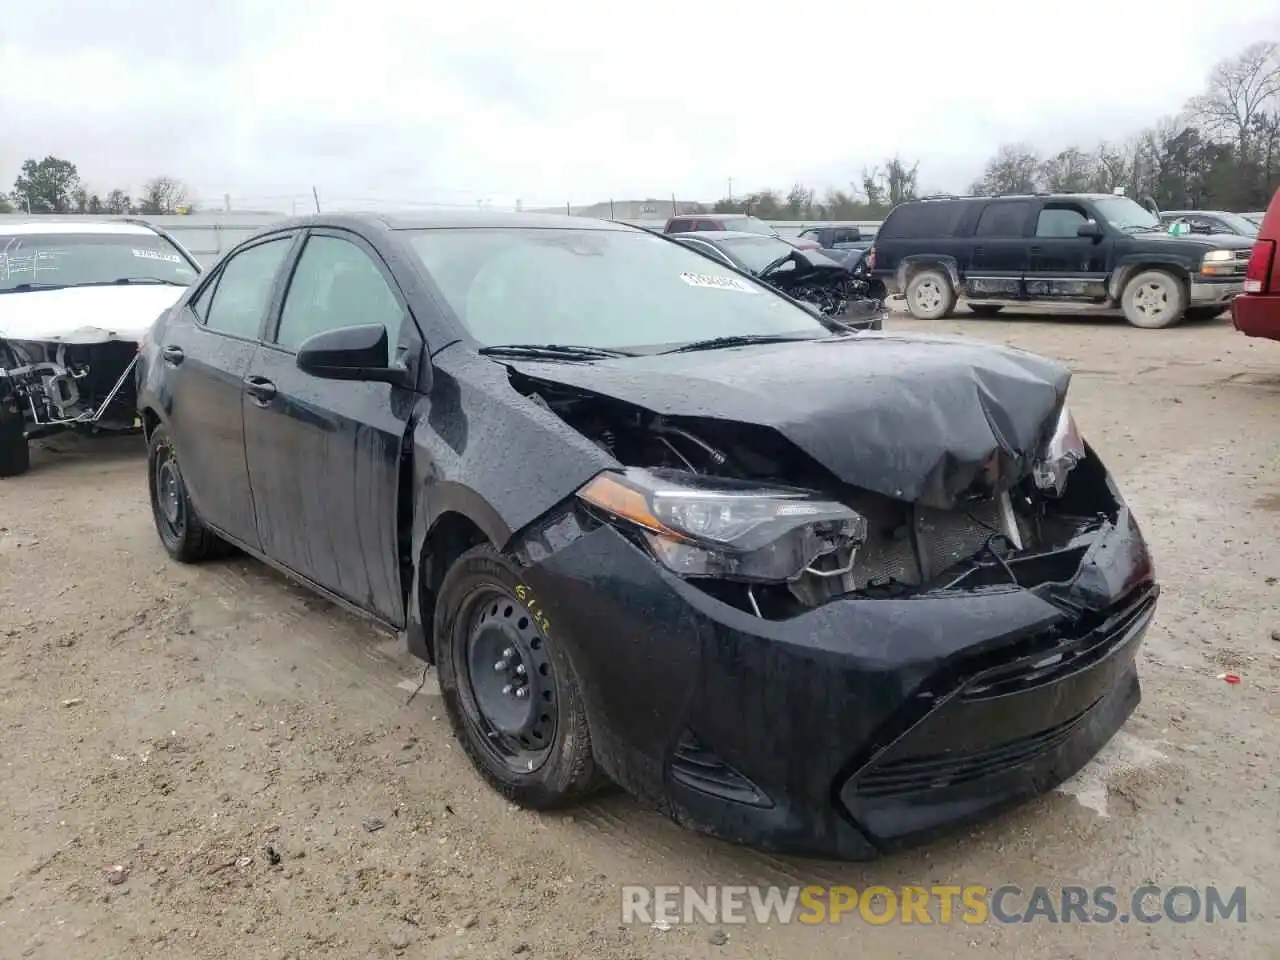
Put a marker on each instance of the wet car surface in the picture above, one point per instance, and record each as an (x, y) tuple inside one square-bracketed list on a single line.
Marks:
[(818, 592)]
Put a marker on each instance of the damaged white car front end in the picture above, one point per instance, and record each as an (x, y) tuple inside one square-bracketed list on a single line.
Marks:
[(75, 299)]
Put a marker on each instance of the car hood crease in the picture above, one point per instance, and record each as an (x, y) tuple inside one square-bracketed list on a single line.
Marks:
[(924, 420)]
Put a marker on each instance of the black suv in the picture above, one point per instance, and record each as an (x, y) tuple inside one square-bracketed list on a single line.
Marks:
[(1069, 249)]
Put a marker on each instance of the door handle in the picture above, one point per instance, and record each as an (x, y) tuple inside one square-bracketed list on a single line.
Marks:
[(173, 355), (261, 389)]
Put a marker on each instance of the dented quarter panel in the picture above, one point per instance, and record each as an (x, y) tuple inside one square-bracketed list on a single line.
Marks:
[(482, 450), (849, 403)]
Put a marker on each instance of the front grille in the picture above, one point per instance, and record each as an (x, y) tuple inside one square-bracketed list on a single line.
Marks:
[(921, 774), (1082, 645)]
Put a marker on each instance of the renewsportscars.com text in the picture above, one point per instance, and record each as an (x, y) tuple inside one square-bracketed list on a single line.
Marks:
[(943, 904)]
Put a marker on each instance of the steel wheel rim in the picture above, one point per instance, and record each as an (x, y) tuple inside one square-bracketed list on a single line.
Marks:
[(502, 653), (167, 496)]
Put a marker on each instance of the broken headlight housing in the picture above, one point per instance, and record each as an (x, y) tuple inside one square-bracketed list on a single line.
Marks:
[(1064, 451), (700, 526)]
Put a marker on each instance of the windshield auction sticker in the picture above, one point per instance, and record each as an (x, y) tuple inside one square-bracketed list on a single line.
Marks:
[(156, 255), (716, 283)]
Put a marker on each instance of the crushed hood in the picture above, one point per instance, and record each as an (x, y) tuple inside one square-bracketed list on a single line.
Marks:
[(920, 419), (84, 314)]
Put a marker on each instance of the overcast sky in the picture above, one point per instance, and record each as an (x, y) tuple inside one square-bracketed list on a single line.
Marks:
[(389, 100)]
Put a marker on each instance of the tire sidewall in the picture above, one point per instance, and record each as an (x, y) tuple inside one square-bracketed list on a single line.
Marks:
[(1175, 285), (158, 442), (948, 295), (15, 449), (568, 767)]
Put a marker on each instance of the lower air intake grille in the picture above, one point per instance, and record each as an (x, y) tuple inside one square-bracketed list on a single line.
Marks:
[(698, 768)]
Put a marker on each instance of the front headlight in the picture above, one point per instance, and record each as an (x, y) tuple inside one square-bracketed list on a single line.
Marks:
[(710, 527), (1218, 256), (1065, 450)]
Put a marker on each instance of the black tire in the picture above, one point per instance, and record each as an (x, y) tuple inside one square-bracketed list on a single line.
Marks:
[(985, 309), (483, 606), (15, 452), (1200, 314), (930, 295), (181, 530)]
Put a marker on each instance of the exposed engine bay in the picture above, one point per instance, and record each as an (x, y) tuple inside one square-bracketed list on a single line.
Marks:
[(833, 288), (840, 293), (902, 548), (60, 386)]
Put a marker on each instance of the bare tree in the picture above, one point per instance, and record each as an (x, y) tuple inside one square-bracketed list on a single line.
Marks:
[(162, 195), (1014, 169), (1112, 168), (1069, 171), (1240, 89)]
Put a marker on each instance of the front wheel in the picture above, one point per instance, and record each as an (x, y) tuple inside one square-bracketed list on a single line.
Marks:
[(1154, 300), (930, 295), (15, 453), (508, 686)]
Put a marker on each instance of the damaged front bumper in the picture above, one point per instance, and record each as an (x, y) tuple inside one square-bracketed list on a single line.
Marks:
[(863, 724)]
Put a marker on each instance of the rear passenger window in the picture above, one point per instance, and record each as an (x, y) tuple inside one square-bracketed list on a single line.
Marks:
[(679, 226), (925, 218), (1003, 219), (244, 288)]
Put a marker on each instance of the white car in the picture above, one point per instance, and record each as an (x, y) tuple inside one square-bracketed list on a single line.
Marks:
[(75, 299)]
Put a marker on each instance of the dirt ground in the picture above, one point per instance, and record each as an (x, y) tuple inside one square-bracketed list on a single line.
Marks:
[(192, 723)]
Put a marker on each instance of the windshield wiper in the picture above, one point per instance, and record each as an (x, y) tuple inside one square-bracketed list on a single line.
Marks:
[(739, 340), (32, 285), (122, 280), (552, 351)]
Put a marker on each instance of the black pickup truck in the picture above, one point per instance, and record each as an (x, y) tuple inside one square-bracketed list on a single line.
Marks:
[(1071, 250)]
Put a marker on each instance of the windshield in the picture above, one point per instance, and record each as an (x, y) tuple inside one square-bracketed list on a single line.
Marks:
[(1241, 225), (74, 259), (757, 252), (1124, 214), (749, 225), (610, 289)]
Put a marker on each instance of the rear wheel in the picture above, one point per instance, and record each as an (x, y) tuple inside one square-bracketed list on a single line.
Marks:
[(985, 309), (181, 530), (15, 453), (1154, 300), (509, 689), (930, 295)]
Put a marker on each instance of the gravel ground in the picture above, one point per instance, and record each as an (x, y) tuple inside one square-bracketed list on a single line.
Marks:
[(191, 725)]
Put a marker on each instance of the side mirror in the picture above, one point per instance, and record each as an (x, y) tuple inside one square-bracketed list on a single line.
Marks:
[(351, 353), (1091, 229)]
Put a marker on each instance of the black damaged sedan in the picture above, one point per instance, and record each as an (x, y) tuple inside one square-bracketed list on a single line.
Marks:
[(820, 592)]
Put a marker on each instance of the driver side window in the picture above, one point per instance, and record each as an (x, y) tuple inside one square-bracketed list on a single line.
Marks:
[(336, 284), (1060, 222)]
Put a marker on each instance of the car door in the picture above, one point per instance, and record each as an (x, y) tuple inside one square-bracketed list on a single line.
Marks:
[(207, 351), (324, 455), (999, 255), (1065, 265)]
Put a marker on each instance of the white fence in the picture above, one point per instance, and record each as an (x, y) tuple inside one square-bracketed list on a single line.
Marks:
[(209, 235)]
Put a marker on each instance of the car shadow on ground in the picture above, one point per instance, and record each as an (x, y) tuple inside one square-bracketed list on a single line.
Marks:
[(69, 449)]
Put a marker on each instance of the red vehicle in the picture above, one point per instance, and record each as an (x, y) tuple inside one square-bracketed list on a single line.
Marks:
[(1256, 312)]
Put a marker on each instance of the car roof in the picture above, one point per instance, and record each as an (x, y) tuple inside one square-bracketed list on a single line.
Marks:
[(714, 216), (449, 219), (65, 226), (724, 235), (1013, 196)]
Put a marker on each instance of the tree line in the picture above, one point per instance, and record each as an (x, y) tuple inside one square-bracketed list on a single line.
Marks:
[(1222, 151), (53, 185)]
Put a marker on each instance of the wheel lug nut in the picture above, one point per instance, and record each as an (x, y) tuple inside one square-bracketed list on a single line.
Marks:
[(508, 653), (500, 666), (522, 692), (520, 670), (506, 691)]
